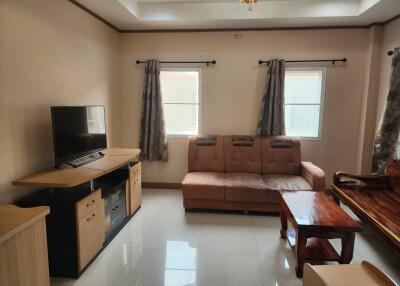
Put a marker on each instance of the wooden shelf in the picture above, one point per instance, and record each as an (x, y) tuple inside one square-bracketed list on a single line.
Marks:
[(13, 219), (68, 177), (317, 249), (23, 247)]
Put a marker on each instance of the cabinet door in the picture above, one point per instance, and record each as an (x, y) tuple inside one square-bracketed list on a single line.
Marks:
[(90, 235), (135, 187), (134, 194), (138, 191), (135, 170)]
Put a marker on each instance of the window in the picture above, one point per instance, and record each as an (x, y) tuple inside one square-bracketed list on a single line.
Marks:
[(180, 89), (304, 100)]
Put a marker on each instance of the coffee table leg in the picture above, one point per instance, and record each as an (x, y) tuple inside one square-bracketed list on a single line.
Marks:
[(347, 248), (301, 242), (283, 222)]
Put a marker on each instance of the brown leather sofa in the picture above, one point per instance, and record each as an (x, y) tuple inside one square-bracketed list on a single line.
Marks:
[(245, 173)]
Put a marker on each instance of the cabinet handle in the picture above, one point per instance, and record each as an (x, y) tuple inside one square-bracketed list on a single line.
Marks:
[(89, 204), (90, 218)]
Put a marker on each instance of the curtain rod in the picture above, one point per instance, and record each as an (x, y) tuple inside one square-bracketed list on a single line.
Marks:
[(212, 62), (308, 61)]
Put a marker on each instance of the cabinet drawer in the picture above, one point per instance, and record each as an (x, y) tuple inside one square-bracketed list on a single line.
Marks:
[(87, 204), (90, 235), (135, 170), (135, 186)]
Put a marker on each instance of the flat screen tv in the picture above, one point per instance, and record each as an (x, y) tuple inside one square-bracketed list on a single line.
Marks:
[(78, 131)]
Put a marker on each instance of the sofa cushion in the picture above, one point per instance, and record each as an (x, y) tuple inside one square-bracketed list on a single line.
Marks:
[(281, 155), (245, 187), (205, 154), (276, 182), (242, 154), (203, 186)]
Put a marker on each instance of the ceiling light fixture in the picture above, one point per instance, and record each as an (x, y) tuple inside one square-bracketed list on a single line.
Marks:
[(250, 3)]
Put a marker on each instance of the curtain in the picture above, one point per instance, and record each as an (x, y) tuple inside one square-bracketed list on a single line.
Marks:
[(387, 139), (153, 141), (272, 114)]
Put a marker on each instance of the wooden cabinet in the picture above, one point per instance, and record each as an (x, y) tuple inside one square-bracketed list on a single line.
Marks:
[(135, 187), (76, 227), (90, 227), (23, 246)]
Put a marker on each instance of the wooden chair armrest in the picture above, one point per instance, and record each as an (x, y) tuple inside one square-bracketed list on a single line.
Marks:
[(374, 181)]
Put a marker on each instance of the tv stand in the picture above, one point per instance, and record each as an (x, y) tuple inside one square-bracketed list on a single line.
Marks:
[(85, 214), (85, 160)]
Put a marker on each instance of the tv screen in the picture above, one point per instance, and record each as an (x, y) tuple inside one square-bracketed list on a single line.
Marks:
[(77, 131)]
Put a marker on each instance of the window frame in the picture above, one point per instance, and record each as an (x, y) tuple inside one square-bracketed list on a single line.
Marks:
[(200, 91), (322, 100)]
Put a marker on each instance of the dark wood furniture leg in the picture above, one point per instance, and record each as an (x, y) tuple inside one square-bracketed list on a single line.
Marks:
[(301, 241), (347, 248), (284, 225)]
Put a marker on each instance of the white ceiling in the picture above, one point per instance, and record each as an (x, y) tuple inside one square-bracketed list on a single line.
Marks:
[(217, 14)]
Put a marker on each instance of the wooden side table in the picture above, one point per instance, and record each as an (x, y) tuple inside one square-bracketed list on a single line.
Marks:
[(346, 275), (315, 219), (23, 246)]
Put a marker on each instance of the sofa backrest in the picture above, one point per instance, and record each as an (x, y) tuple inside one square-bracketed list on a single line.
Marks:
[(281, 155), (205, 154), (242, 154)]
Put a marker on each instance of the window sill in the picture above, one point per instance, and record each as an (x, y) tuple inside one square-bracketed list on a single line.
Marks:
[(309, 138), (173, 136)]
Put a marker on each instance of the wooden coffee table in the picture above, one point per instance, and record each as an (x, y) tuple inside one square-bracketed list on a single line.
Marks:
[(315, 218)]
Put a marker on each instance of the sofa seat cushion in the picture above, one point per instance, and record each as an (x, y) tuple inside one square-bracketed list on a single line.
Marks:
[(245, 187), (276, 182), (203, 186)]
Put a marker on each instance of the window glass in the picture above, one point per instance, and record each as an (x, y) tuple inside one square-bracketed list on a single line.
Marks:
[(180, 90), (304, 91)]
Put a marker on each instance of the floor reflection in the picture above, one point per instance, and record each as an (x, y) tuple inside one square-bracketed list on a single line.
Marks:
[(180, 264)]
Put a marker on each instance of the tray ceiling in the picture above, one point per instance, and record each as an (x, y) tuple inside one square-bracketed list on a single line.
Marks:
[(220, 14)]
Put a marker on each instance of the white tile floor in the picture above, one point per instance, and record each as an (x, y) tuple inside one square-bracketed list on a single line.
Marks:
[(162, 245)]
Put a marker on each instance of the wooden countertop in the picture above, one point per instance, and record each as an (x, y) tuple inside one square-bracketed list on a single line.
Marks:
[(14, 219), (68, 176)]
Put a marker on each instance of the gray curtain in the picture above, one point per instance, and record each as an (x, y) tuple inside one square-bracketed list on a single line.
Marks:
[(153, 141), (387, 138), (272, 114)]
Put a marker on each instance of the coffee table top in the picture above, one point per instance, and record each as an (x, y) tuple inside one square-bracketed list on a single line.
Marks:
[(316, 211)]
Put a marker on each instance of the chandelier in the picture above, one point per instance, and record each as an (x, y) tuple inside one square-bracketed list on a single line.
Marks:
[(250, 3)]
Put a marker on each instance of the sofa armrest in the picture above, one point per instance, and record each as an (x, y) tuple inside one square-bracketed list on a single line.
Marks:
[(314, 175)]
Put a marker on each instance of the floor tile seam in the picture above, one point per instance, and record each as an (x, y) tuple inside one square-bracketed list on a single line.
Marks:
[(255, 235), (210, 252)]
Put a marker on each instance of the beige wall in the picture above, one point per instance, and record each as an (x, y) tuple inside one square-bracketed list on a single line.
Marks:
[(232, 89), (370, 100), (391, 40), (51, 53)]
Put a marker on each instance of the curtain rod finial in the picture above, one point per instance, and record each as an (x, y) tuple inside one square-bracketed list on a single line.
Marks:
[(344, 60), (137, 62), (390, 53)]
